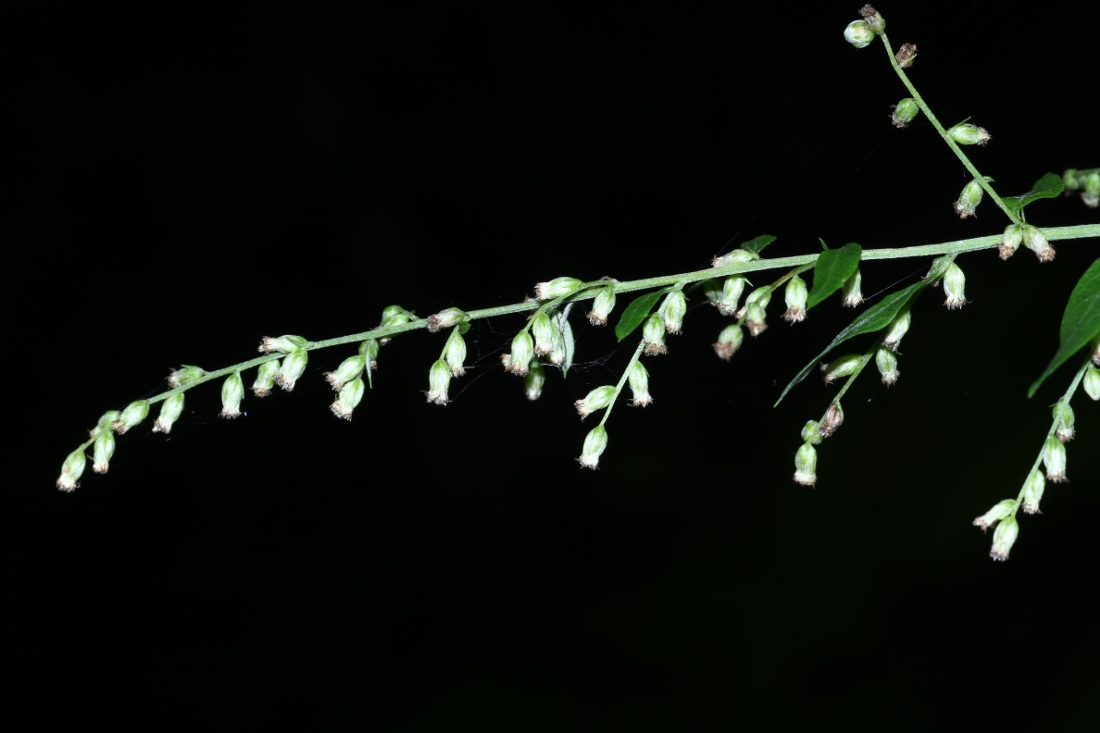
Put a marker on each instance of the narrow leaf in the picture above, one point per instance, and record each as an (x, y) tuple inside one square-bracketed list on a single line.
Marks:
[(873, 319), (638, 310), (757, 245), (1080, 323), (833, 267), (568, 342), (1048, 187)]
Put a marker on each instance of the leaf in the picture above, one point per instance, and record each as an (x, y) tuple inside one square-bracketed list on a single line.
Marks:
[(833, 267), (757, 245), (638, 310), (873, 319), (1080, 323), (568, 342), (1048, 187)]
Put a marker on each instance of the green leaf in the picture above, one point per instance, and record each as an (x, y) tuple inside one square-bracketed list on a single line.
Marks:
[(757, 245), (873, 319), (1080, 323), (1048, 187), (638, 310), (833, 267)]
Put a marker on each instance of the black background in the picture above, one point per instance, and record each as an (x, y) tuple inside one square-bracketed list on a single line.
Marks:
[(182, 185)]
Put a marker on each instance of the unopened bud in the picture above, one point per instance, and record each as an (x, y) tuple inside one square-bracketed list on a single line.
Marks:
[(795, 297), (967, 134), (134, 413), (999, 511), (351, 368), (905, 112), (283, 344), (906, 55), (859, 34), (1010, 242), (293, 366), (653, 333), (232, 394), (834, 418), (1054, 460), (1091, 382), (729, 341), (71, 471), (184, 375), (954, 287), (673, 310), (732, 288), (1004, 537), (1064, 416), (394, 316), (1033, 492), (805, 465), (844, 366), (169, 413), (439, 379), (875, 21), (597, 399), (737, 256), (445, 319), (557, 287), (887, 363), (454, 352), (969, 199), (1037, 243), (523, 351), (851, 291), (545, 333), (351, 394), (534, 381), (602, 305), (638, 379), (103, 449), (265, 378), (595, 443), (897, 330), (1091, 193)]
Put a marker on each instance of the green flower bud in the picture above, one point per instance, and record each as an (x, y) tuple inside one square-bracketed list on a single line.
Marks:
[(454, 352), (755, 315), (369, 351), (737, 256), (732, 288), (351, 394), (1091, 382), (134, 413), (232, 394), (351, 368), (673, 310), (887, 363), (729, 341), (852, 292), (294, 365), (283, 344), (844, 366), (523, 351), (638, 378), (1010, 242), (184, 375), (595, 443), (1091, 194), (653, 333), (534, 381), (905, 112), (445, 319), (805, 465), (967, 134), (1064, 416), (795, 296), (999, 511), (1033, 492), (265, 378), (557, 287), (71, 471), (969, 199), (811, 432), (393, 316), (106, 422), (954, 287), (1054, 460), (897, 330), (545, 333), (859, 34), (602, 305), (169, 413), (439, 378), (1037, 243), (1004, 537), (597, 399)]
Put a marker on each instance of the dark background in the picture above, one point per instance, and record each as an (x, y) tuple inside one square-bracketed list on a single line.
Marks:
[(181, 185)]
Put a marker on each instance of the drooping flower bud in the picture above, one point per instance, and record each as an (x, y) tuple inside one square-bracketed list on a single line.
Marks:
[(597, 399), (445, 319), (638, 378), (134, 413), (545, 333), (805, 465), (795, 297), (1065, 430), (834, 418), (969, 199), (811, 432), (351, 368), (283, 344), (602, 305), (844, 366), (999, 511), (265, 378), (732, 288), (1054, 460), (369, 351), (729, 341), (1091, 382), (897, 329), (1033, 492), (184, 375), (523, 351), (755, 314), (232, 394), (887, 363), (294, 365), (393, 316), (351, 394), (454, 352), (851, 291), (169, 413), (1013, 236), (954, 287), (534, 381), (1037, 243), (1004, 537), (967, 134), (905, 112), (653, 333), (557, 287), (439, 379), (595, 443), (673, 310), (71, 471)]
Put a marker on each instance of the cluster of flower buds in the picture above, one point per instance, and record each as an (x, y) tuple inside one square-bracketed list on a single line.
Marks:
[(860, 33), (292, 366), (451, 362), (726, 294), (394, 316), (553, 338), (813, 432), (1003, 516), (347, 380)]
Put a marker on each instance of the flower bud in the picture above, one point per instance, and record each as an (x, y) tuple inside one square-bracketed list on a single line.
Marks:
[(369, 351), (805, 465), (887, 363), (454, 352), (265, 378), (811, 432), (169, 413), (595, 443), (1091, 382), (597, 399), (1054, 460), (969, 199), (71, 471), (557, 287), (294, 365), (875, 22), (905, 112), (1037, 243), (737, 256), (653, 333), (1063, 414), (523, 351), (897, 330), (351, 368), (103, 449), (602, 305), (106, 422), (954, 287), (534, 381), (283, 344), (844, 366), (184, 375), (859, 34), (673, 310), (851, 291), (967, 134), (445, 319), (1033, 492), (906, 55), (393, 316), (834, 418), (755, 314), (351, 394), (232, 394), (999, 511), (1091, 193), (545, 333), (1004, 537), (729, 341), (732, 288), (795, 296), (439, 378), (1013, 236), (638, 379), (134, 413)]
